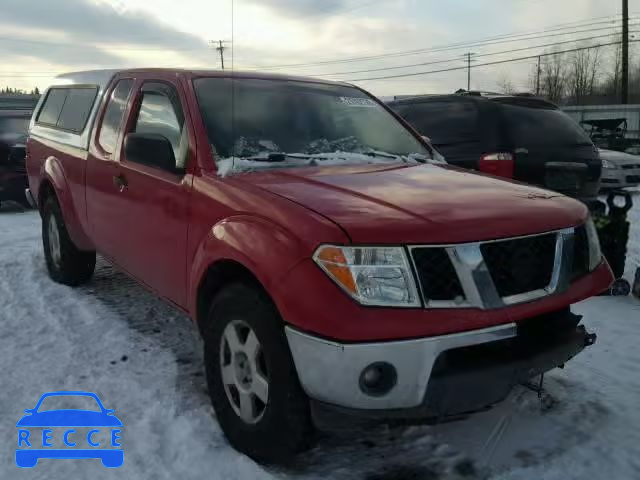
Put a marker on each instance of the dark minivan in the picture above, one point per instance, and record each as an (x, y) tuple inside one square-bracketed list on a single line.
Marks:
[(14, 126), (519, 137)]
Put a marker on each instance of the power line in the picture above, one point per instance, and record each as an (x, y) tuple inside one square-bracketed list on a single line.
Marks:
[(43, 74), (451, 46), (490, 63), (436, 62), (483, 44)]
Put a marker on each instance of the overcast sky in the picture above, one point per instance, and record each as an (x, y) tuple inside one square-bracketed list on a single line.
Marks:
[(39, 39)]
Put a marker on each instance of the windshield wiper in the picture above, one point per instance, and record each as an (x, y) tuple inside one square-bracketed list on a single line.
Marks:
[(375, 153), (269, 158)]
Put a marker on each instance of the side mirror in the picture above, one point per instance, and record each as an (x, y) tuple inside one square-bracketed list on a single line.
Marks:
[(150, 149)]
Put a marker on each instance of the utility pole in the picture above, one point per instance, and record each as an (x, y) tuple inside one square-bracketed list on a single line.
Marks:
[(220, 48), (538, 77), (469, 55), (625, 52)]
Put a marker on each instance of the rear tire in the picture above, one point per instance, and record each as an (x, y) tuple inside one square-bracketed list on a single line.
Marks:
[(65, 262), (246, 348)]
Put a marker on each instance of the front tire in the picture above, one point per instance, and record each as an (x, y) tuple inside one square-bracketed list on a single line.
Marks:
[(65, 262), (252, 381)]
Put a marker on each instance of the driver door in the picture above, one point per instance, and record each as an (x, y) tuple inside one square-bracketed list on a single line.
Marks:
[(155, 201)]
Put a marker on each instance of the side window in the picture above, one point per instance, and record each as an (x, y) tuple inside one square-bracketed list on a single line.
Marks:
[(445, 122), (160, 113), (112, 120), (52, 106), (77, 108)]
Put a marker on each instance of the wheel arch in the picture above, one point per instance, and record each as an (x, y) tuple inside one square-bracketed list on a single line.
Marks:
[(243, 248), (217, 276), (45, 190), (54, 183)]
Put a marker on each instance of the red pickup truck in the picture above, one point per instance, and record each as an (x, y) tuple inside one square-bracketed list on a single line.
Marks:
[(335, 267)]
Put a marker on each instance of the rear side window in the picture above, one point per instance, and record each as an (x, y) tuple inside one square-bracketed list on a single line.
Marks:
[(112, 121), (76, 109), (68, 108), (535, 127), (445, 123), (52, 106)]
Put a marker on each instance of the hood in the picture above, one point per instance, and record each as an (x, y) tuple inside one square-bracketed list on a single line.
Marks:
[(421, 204), (619, 158)]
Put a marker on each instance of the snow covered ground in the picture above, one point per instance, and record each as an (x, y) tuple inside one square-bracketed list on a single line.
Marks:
[(143, 359)]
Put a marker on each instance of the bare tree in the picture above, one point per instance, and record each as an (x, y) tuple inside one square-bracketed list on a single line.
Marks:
[(583, 73), (615, 77), (608, 89), (553, 77), (505, 85)]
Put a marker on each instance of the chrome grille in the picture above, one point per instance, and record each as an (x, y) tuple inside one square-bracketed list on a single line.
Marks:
[(521, 265), (580, 263), (497, 273), (436, 274)]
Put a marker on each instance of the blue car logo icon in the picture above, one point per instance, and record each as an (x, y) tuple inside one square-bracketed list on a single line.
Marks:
[(101, 422)]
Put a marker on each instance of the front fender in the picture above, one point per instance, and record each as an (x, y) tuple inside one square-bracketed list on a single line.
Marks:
[(53, 172), (263, 247)]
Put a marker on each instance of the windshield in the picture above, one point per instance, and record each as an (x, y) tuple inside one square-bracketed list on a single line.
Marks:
[(277, 123), (542, 127)]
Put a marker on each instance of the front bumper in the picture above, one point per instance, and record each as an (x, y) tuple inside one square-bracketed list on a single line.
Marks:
[(437, 377), (620, 177)]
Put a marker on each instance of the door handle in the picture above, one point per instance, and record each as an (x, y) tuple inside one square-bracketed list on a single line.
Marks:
[(120, 182)]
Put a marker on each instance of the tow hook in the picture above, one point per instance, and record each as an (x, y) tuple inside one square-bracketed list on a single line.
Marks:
[(589, 338), (547, 401)]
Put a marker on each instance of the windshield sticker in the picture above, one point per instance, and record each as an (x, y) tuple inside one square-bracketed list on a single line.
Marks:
[(357, 102)]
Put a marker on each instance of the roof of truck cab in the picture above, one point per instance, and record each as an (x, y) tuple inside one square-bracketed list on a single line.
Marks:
[(103, 77)]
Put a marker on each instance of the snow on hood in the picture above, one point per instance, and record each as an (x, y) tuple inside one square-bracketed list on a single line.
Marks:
[(232, 165)]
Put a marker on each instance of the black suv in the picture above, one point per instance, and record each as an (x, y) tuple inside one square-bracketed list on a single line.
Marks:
[(14, 126), (519, 137)]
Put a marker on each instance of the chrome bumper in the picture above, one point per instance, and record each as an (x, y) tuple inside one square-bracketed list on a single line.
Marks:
[(330, 372)]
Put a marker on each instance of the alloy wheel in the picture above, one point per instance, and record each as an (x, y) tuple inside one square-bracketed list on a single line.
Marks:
[(54, 240), (244, 373)]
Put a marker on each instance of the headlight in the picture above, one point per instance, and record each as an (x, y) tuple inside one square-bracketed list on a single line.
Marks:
[(371, 275), (608, 164), (595, 254)]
